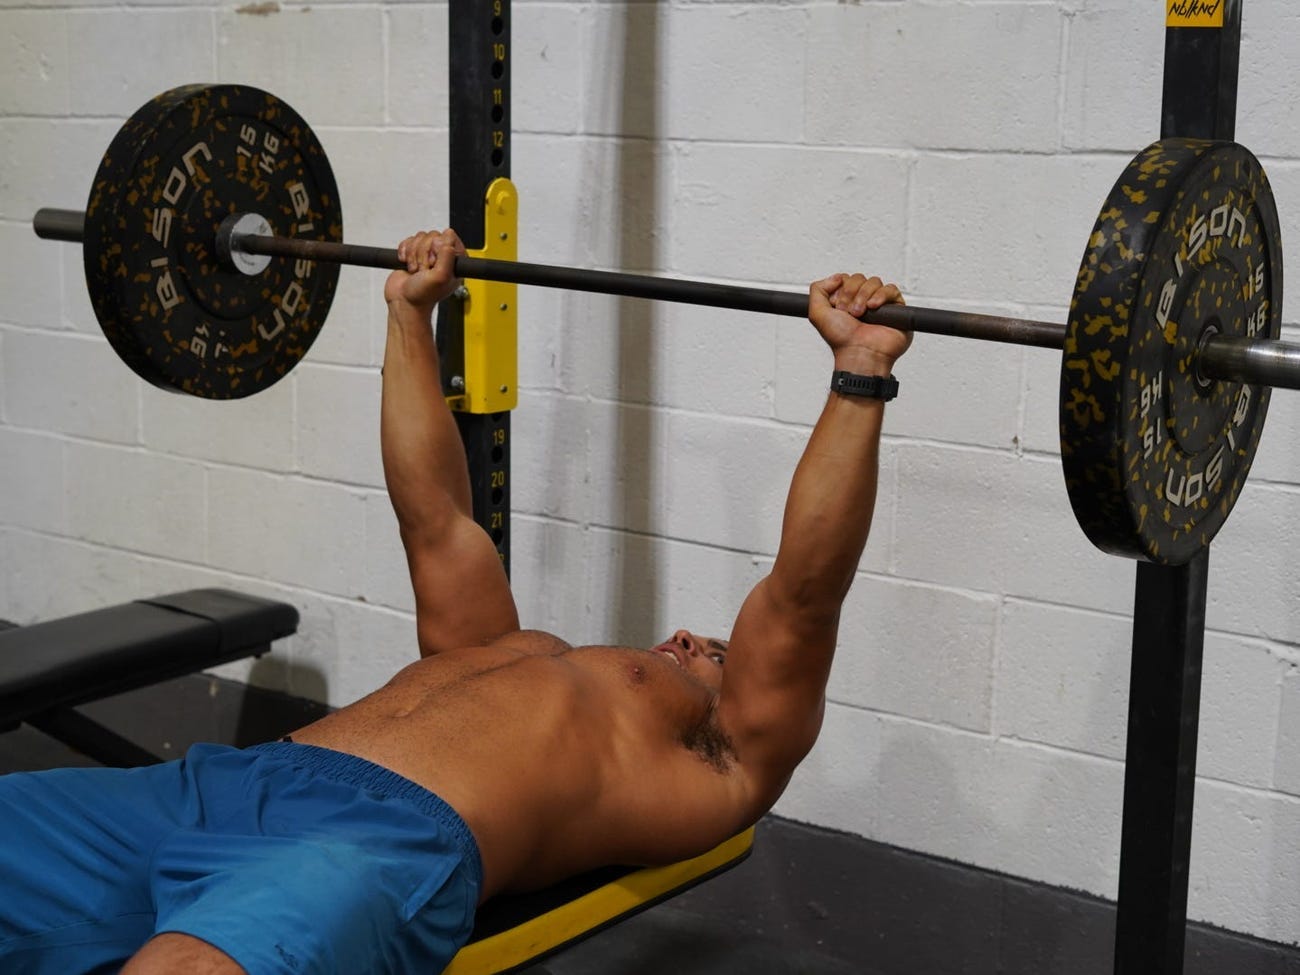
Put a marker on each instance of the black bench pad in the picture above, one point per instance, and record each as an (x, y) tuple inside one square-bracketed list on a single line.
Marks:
[(75, 659)]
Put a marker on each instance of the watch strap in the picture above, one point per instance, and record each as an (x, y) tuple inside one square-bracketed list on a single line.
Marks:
[(874, 387)]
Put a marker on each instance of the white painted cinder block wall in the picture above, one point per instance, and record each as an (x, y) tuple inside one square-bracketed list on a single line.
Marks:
[(963, 148)]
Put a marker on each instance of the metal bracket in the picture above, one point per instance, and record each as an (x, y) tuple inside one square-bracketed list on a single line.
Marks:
[(491, 367)]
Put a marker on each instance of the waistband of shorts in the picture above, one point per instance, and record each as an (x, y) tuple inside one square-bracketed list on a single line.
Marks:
[(355, 771)]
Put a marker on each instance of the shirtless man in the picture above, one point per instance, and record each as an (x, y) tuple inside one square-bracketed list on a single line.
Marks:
[(504, 759)]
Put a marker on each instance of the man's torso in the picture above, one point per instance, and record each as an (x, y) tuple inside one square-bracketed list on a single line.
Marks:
[(558, 758)]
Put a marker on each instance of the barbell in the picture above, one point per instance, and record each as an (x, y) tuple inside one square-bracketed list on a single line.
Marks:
[(212, 239)]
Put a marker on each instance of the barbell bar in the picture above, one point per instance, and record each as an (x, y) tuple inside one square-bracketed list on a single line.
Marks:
[(1269, 362), (230, 242), (213, 235)]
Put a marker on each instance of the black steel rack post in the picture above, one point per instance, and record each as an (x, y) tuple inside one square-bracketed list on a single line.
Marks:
[(479, 133), (1200, 101)]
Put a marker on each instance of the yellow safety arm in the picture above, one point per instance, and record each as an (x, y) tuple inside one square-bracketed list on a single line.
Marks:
[(491, 326)]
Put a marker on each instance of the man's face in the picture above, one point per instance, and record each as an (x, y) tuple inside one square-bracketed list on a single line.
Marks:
[(701, 656)]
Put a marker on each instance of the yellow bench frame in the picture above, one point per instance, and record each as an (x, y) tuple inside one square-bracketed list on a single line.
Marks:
[(517, 930)]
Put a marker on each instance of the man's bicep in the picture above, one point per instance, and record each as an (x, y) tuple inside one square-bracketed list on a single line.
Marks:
[(774, 681), (462, 595)]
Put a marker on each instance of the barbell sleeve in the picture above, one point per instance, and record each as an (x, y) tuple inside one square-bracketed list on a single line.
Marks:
[(55, 224), (1261, 361), (1265, 361)]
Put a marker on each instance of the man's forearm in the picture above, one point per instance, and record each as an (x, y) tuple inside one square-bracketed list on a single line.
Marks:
[(424, 460), (828, 511)]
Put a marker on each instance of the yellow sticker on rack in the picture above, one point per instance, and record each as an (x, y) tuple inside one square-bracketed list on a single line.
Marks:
[(1194, 13)]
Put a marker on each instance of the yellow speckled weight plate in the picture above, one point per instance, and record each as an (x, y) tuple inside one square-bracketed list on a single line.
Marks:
[(179, 166), (1187, 245)]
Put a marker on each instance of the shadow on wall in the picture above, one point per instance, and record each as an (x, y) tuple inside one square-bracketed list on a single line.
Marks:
[(255, 721), (302, 679), (636, 587)]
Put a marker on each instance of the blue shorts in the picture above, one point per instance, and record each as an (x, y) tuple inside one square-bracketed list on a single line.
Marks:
[(289, 858)]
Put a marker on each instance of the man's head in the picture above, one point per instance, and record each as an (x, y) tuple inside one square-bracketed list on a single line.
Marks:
[(702, 657)]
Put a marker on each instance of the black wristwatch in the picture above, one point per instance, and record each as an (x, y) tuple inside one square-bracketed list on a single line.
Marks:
[(875, 387)]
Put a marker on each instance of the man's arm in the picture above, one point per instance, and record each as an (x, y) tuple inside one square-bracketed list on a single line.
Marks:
[(774, 681), (462, 596)]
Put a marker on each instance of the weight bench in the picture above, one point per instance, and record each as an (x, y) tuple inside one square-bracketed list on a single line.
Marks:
[(49, 668)]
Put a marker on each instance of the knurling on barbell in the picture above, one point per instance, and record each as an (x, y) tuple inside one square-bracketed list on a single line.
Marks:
[(213, 238)]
